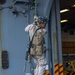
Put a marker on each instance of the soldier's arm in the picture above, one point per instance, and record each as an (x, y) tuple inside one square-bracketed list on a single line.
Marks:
[(27, 28)]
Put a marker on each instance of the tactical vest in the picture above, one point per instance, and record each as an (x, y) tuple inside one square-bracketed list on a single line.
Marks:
[(38, 43)]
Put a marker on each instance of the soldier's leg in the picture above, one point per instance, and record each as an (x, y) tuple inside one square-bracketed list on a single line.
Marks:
[(41, 70), (37, 66), (36, 70)]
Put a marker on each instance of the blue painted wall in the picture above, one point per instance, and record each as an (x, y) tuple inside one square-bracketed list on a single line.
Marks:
[(14, 39)]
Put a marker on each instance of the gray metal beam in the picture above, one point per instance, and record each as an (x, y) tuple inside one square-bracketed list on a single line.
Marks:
[(59, 37), (48, 7), (56, 45), (54, 40), (0, 36)]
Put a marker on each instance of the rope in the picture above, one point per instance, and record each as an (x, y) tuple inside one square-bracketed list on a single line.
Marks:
[(36, 9)]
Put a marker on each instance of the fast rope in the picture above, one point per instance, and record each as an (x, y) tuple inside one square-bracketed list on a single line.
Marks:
[(36, 9)]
